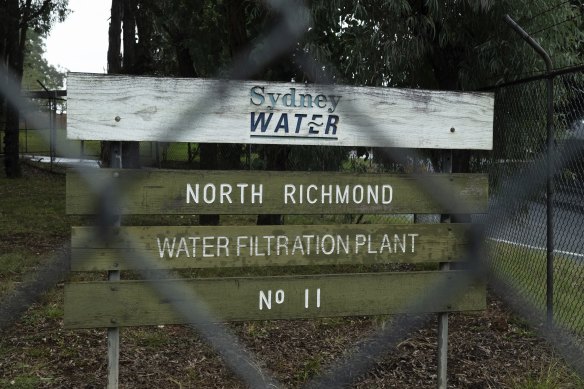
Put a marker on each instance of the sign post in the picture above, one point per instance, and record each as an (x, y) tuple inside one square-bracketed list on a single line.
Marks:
[(125, 108), (113, 331)]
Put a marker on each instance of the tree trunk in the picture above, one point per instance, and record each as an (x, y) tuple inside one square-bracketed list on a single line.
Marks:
[(208, 154), (129, 23), (122, 11), (237, 40), (235, 12), (130, 150), (114, 61), (276, 158), (144, 62), (3, 55), (15, 38)]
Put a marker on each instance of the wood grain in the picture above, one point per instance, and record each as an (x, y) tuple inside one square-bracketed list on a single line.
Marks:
[(165, 192), (102, 107), (217, 247), (130, 303)]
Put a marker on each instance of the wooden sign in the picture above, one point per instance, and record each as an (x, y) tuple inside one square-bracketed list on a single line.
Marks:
[(129, 108), (128, 303), (191, 247), (260, 192), (118, 108)]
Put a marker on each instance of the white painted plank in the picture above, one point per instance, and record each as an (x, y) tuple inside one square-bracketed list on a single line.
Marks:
[(204, 110)]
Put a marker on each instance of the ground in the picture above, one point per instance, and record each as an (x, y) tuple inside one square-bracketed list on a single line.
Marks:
[(490, 349)]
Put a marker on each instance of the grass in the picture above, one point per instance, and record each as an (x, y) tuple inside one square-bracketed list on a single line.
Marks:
[(525, 269), (37, 142), (21, 382), (311, 368), (552, 376), (34, 224), (33, 205)]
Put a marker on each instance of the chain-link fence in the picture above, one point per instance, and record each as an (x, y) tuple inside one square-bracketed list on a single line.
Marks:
[(519, 241), (515, 240)]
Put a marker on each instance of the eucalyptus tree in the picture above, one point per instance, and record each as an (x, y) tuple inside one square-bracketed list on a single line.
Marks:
[(453, 44), (448, 45), (17, 17), (36, 66), (434, 44)]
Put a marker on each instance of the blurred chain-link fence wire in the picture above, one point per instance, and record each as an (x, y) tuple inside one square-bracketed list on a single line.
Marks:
[(512, 252)]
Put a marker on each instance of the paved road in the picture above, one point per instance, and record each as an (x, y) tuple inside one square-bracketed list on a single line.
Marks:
[(528, 227)]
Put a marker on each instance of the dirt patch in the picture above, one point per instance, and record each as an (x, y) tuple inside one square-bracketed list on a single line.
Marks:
[(487, 350), (491, 349)]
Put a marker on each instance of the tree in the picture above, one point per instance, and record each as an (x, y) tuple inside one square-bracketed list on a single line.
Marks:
[(439, 44), (36, 66), (448, 45), (17, 17), (122, 24)]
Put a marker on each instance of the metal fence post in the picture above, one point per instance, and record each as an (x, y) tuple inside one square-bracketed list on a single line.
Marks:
[(550, 174), (113, 333), (443, 317)]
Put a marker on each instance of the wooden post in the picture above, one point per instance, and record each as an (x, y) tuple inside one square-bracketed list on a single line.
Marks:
[(443, 317), (113, 333), (113, 346)]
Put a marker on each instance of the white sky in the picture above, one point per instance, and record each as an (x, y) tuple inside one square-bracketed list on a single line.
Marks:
[(79, 44)]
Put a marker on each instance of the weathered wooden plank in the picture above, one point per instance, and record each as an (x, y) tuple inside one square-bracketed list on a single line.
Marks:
[(255, 192), (102, 107), (242, 246), (129, 303)]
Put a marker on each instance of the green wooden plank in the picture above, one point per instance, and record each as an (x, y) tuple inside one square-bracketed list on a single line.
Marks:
[(131, 303), (262, 192), (242, 246)]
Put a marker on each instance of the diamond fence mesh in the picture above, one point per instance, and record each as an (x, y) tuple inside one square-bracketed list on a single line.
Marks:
[(515, 229), (517, 240)]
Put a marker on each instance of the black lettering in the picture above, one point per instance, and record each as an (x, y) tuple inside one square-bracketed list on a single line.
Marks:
[(299, 117), (332, 122), (261, 119), (282, 123)]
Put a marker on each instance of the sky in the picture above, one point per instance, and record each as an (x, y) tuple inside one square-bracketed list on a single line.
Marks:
[(79, 44)]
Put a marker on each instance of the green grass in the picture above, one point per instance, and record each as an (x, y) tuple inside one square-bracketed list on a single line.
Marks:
[(552, 376), (21, 382), (37, 142), (150, 337), (311, 368), (33, 205), (525, 269), (33, 224)]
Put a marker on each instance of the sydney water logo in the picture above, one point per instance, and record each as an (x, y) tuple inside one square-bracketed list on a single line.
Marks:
[(293, 114)]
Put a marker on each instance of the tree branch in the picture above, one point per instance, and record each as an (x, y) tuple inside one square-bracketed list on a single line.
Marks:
[(27, 16)]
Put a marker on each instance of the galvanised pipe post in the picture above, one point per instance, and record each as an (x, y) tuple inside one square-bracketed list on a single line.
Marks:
[(550, 173)]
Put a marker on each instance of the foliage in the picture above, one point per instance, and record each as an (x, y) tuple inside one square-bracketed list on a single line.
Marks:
[(432, 44), (36, 66), (17, 18), (452, 45), (449, 45)]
